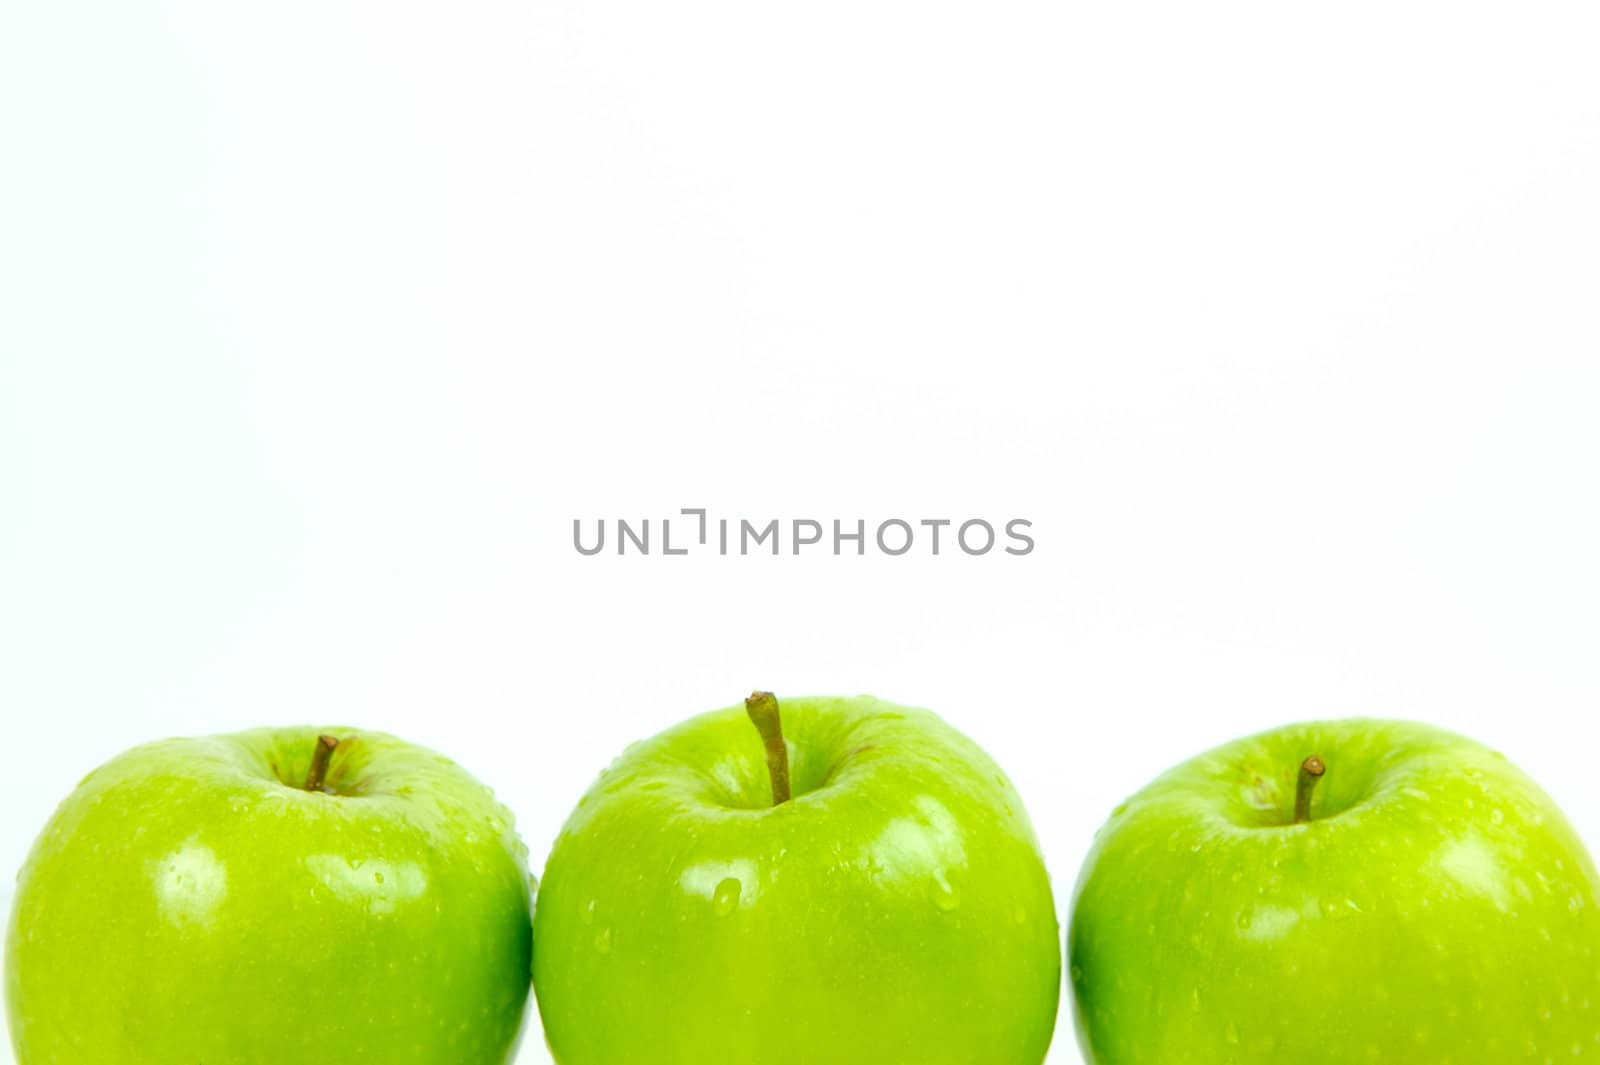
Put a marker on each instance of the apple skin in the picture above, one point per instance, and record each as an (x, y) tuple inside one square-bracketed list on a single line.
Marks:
[(1436, 910), (897, 909), (189, 904)]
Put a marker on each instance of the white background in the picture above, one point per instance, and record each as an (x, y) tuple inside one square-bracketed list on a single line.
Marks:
[(320, 322)]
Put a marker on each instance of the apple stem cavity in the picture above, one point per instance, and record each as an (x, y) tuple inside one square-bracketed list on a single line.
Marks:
[(317, 777), (1312, 771), (763, 710)]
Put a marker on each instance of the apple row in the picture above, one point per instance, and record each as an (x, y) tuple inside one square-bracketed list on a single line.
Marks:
[(839, 880)]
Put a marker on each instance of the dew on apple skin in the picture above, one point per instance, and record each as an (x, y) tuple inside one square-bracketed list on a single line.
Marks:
[(587, 913), (726, 897), (602, 941), (946, 896)]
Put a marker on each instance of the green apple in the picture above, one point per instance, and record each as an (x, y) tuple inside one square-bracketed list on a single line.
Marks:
[(868, 892), (1338, 892), (272, 896)]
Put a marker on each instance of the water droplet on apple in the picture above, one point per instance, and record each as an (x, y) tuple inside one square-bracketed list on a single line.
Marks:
[(726, 898), (945, 894), (1232, 1035), (588, 912), (602, 942)]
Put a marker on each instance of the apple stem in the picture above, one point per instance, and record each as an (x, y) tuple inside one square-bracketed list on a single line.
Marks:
[(318, 776), (1311, 772), (763, 710)]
